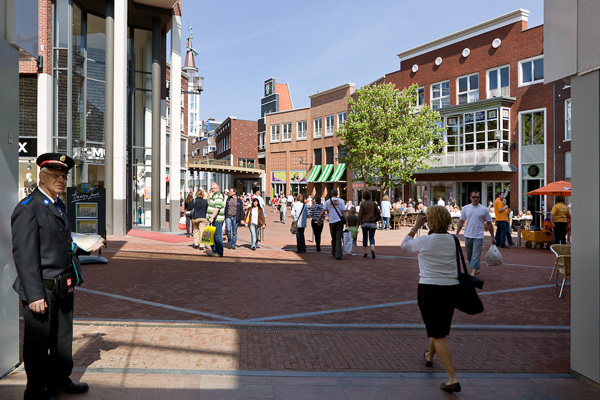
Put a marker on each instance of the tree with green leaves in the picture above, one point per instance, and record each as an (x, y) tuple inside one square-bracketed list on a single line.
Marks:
[(387, 138)]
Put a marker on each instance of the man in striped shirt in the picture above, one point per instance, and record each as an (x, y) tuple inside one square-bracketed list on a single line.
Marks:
[(216, 210), (315, 213)]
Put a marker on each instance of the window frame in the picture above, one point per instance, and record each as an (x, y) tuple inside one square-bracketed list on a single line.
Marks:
[(345, 114), (568, 125), (497, 70), (319, 130), (284, 132), (278, 133), (298, 130), (329, 130), (420, 89), (533, 80), (441, 98), (521, 131), (469, 89)]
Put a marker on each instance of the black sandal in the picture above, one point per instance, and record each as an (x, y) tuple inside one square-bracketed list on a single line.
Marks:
[(453, 387), (428, 363)]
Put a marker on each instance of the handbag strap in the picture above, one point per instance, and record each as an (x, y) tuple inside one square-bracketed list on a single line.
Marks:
[(459, 256), (336, 210)]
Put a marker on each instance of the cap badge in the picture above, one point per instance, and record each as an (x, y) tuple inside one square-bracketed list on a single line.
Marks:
[(63, 158)]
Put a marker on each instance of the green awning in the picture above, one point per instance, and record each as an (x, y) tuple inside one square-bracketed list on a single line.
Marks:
[(326, 172), (314, 173), (338, 172)]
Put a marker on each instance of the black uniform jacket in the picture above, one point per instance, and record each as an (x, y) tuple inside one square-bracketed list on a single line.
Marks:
[(39, 249)]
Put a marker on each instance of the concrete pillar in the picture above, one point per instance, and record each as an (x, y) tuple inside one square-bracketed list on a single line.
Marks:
[(175, 137), (108, 115), (45, 113), (156, 75), (585, 278), (120, 119)]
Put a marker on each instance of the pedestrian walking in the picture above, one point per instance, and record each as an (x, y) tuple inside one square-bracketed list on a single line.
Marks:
[(299, 212), (353, 227), (368, 223), (199, 221), (386, 208), (438, 285), (501, 211), (255, 219), (477, 217), (188, 214), (282, 208), (44, 257), (216, 210), (336, 210), (234, 215), (315, 213)]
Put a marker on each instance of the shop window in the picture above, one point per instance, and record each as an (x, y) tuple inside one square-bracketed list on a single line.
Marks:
[(532, 128)]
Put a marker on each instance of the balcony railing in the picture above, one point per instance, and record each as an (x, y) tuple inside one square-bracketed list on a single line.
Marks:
[(228, 162), (473, 157)]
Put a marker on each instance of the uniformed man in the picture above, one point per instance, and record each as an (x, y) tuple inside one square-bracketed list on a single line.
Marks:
[(41, 239)]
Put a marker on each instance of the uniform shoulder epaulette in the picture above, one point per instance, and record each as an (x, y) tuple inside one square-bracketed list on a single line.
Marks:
[(27, 200)]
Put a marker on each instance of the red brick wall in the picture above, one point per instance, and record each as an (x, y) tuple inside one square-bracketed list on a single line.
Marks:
[(244, 139), (518, 43)]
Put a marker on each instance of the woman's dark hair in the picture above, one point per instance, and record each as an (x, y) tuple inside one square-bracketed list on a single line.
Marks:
[(189, 198), (366, 196), (257, 202), (560, 199)]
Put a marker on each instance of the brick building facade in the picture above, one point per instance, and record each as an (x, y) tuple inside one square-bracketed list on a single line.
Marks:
[(505, 129), (303, 153)]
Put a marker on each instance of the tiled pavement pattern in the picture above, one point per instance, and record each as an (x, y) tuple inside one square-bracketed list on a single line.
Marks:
[(163, 320)]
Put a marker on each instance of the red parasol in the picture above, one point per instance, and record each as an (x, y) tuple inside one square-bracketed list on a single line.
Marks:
[(558, 188)]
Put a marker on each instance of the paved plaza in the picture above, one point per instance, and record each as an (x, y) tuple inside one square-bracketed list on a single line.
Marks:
[(162, 320)]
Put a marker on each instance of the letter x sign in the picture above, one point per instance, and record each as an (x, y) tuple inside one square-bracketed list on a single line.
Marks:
[(22, 148)]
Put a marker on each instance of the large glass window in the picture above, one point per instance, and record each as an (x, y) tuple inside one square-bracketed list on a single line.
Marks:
[(531, 71), (498, 84), (274, 133), (318, 156), (532, 128), (468, 89), (329, 155), (342, 118), (440, 95)]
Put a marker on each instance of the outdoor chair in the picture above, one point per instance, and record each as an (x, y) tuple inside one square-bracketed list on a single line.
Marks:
[(561, 252), (565, 270)]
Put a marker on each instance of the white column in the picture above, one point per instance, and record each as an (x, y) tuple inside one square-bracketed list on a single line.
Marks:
[(120, 119), (175, 137), (44, 114)]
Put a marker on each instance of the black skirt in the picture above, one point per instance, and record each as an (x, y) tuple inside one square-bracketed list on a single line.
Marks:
[(436, 303)]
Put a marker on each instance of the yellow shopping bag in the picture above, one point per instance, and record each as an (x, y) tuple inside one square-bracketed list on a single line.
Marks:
[(208, 235)]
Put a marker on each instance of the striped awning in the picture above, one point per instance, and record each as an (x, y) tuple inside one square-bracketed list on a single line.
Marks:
[(314, 173), (326, 172), (338, 172)]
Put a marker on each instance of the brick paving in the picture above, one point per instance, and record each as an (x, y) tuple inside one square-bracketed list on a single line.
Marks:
[(163, 320)]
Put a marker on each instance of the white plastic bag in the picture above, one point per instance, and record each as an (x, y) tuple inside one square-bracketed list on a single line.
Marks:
[(347, 242), (493, 256)]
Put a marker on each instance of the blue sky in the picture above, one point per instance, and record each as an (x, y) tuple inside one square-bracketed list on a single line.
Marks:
[(316, 45)]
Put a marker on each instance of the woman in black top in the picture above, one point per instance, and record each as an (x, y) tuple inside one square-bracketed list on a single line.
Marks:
[(188, 209), (199, 221)]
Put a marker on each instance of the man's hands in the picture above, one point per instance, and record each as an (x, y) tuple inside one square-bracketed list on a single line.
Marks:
[(38, 306)]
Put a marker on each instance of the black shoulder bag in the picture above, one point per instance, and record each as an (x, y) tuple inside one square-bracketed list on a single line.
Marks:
[(294, 227), (467, 299), (63, 285)]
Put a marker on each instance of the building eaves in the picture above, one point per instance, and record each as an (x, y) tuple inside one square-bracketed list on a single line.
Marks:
[(287, 111), (344, 86), (495, 23)]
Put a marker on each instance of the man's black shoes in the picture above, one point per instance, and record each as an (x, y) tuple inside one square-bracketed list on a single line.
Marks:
[(75, 388)]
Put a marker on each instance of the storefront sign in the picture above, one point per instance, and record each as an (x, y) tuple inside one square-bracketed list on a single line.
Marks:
[(27, 147), (86, 209), (298, 176), (89, 153), (278, 177)]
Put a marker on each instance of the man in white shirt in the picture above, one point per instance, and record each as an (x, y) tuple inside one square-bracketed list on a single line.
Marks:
[(336, 209), (441, 202), (282, 208), (477, 218), (290, 200)]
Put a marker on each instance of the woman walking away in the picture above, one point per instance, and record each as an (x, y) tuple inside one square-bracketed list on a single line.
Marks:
[(299, 211), (366, 220), (255, 218), (189, 205), (352, 227), (438, 285), (199, 221), (315, 212)]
